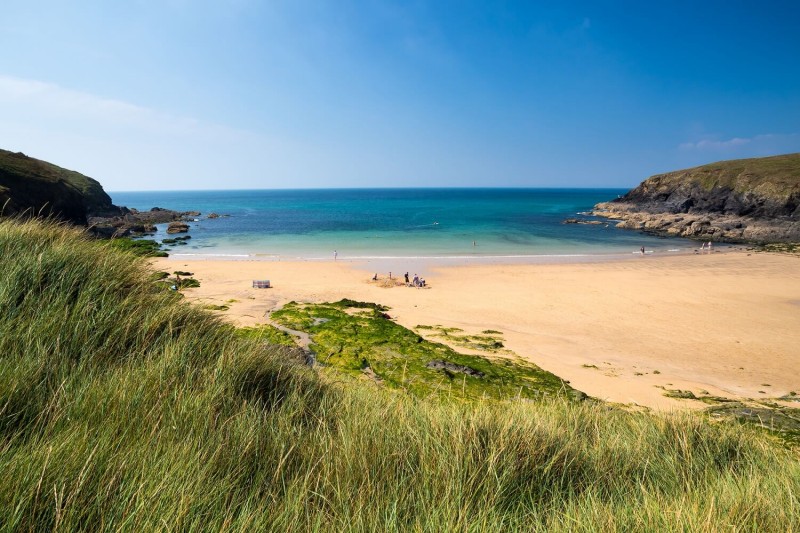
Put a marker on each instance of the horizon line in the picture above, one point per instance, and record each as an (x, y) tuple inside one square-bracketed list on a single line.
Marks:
[(462, 188)]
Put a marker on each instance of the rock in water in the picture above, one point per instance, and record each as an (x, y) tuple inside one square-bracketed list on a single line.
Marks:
[(177, 227)]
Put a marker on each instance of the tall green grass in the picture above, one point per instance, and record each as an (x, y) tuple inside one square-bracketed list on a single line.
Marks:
[(123, 407)]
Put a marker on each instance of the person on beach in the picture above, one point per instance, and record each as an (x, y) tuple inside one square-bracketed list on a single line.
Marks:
[(642, 250), (375, 277), (416, 280), (335, 255), (406, 276)]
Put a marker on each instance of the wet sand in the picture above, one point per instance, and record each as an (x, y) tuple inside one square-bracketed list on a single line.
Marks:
[(624, 330)]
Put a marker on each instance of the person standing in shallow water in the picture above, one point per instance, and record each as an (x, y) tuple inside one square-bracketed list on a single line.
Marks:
[(642, 250), (335, 255)]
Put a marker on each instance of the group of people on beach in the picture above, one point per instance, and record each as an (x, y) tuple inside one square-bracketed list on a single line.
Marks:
[(706, 246), (416, 282)]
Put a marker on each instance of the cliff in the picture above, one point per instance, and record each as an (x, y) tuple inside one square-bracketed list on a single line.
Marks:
[(746, 200), (38, 188)]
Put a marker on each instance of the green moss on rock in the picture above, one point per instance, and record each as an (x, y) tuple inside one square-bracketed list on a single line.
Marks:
[(352, 342)]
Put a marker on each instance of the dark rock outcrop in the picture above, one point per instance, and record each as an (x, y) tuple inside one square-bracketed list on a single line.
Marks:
[(135, 222), (31, 187), (746, 200), (583, 221), (447, 366)]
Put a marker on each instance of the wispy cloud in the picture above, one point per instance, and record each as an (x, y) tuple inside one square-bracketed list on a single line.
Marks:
[(759, 142), (712, 144), (33, 96), (126, 145)]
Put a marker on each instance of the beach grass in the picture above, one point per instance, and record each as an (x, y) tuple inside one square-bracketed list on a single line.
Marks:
[(123, 407)]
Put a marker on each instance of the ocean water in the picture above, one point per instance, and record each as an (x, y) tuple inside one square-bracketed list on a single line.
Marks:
[(397, 223)]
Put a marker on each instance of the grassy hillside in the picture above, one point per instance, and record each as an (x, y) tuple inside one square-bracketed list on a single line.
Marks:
[(763, 187), (122, 407), (780, 172)]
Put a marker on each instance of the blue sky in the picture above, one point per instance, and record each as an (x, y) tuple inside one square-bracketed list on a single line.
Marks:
[(202, 94)]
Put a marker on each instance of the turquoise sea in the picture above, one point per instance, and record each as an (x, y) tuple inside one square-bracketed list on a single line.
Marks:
[(524, 224)]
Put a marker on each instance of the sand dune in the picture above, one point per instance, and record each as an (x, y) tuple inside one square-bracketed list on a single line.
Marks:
[(622, 331)]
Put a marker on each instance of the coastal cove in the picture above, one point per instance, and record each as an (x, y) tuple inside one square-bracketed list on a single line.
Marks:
[(365, 224), (400, 267), (629, 331)]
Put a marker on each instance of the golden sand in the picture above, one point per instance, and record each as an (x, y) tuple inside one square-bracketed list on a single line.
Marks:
[(725, 324)]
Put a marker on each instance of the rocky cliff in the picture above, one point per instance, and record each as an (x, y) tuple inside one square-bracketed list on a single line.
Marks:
[(746, 200), (32, 187)]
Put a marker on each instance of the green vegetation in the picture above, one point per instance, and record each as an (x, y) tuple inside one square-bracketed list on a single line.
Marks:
[(769, 176), (355, 336), (779, 247), (177, 240), (159, 275), (783, 422), (122, 407), (683, 394), (140, 247), (267, 334), (489, 341), (186, 283), (766, 177)]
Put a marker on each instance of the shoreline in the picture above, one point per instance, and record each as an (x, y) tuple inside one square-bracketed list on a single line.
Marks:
[(389, 262), (622, 330)]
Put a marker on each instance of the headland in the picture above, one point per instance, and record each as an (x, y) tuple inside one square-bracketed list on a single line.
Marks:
[(753, 200)]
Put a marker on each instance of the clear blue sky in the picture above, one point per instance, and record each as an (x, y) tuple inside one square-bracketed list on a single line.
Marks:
[(184, 94)]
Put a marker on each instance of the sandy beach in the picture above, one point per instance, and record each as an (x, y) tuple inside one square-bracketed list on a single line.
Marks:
[(725, 324)]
